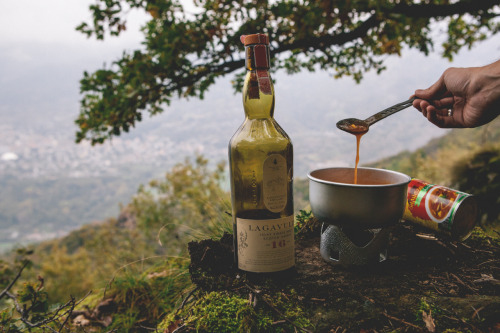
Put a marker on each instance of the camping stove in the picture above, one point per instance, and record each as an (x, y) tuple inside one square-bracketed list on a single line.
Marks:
[(357, 218)]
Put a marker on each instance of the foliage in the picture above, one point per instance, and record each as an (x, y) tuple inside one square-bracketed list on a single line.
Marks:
[(120, 259), (147, 281), (189, 203), (185, 50), (302, 219), (87, 258), (224, 311), (6, 274), (480, 175), (142, 299), (436, 161), (73, 271), (30, 308)]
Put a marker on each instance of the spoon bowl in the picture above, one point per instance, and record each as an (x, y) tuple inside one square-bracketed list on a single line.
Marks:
[(353, 126), (358, 126)]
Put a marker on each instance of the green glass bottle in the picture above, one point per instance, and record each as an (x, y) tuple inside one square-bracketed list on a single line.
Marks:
[(261, 170)]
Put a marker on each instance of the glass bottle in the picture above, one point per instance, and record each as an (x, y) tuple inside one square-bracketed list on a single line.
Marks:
[(261, 171)]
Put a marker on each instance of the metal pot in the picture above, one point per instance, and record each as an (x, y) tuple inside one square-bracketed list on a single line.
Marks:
[(377, 200)]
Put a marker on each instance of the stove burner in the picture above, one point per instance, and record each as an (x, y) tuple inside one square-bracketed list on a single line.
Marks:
[(353, 247)]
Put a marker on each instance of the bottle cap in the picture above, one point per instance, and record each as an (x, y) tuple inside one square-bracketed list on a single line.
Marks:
[(254, 39)]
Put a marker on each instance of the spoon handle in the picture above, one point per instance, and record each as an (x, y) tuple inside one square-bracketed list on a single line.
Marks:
[(390, 110)]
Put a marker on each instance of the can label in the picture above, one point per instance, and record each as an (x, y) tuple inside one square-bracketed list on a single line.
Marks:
[(432, 206)]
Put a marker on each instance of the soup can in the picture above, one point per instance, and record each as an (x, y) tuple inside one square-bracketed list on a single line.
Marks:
[(441, 209)]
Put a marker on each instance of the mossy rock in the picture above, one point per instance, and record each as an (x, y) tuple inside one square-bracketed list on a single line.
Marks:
[(445, 279), (223, 311)]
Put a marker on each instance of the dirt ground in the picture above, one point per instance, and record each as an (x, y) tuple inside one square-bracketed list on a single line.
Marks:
[(427, 284)]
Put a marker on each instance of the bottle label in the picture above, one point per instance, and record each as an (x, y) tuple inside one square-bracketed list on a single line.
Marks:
[(264, 82), (265, 246), (275, 183)]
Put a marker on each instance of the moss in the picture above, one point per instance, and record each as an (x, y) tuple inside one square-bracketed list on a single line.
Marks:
[(222, 311), (428, 306), (306, 225), (218, 312), (126, 322), (481, 236), (91, 301)]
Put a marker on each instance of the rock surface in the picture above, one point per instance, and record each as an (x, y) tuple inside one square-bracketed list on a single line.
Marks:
[(426, 284)]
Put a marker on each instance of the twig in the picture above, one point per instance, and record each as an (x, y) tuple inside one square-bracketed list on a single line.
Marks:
[(476, 312), (184, 301), (318, 299), (402, 321), (463, 283), (284, 317), (204, 253), (11, 284), (55, 314), (70, 312), (178, 329), (488, 261), (16, 303), (453, 253), (474, 328), (253, 289), (148, 328), (72, 303), (439, 291)]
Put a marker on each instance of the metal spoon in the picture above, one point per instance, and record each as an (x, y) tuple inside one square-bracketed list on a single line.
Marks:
[(358, 126)]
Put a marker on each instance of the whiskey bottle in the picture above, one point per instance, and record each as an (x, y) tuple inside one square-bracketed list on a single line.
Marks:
[(261, 172)]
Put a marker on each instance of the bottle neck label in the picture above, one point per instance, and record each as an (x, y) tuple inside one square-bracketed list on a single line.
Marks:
[(257, 61), (264, 82), (257, 57)]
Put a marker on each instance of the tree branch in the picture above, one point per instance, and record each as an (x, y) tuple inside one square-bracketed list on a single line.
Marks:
[(435, 11), (413, 11), (11, 284), (349, 40)]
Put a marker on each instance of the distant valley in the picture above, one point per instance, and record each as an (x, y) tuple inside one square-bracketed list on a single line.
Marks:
[(50, 185)]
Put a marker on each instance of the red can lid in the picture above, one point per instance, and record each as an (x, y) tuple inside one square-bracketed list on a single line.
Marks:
[(255, 39)]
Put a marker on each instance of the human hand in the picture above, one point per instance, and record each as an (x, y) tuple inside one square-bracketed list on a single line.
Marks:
[(462, 97)]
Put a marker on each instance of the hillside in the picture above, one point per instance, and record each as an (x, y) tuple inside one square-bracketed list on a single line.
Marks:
[(436, 160), (141, 277)]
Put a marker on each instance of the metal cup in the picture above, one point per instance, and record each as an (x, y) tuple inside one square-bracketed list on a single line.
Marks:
[(377, 201)]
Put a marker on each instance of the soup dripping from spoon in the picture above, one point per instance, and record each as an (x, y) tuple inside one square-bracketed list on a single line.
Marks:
[(360, 127)]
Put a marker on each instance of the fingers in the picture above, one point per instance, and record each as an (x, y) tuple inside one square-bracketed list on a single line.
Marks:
[(442, 121), (444, 117), (439, 112), (440, 106), (444, 103), (436, 91)]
